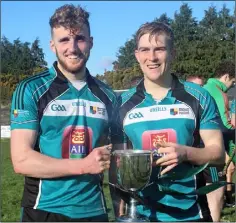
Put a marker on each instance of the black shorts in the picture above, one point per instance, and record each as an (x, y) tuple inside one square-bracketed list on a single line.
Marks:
[(35, 215), (213, 174)]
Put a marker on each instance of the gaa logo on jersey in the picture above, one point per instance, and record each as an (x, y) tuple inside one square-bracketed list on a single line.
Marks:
[(174, 111), (77, 142)]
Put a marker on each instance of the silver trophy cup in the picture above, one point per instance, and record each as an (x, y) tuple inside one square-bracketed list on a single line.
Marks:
[(133, 170)]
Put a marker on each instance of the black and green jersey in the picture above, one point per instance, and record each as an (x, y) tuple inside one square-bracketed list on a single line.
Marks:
[(70, 123), (177, 118)]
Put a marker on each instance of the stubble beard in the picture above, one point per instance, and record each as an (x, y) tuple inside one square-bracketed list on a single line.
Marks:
[(74, 70)]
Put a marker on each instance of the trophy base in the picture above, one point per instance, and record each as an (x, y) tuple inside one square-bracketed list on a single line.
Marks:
[(129, 219)]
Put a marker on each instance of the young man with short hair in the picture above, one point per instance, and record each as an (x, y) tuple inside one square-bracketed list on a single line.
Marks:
[(60, 121), (195, 79), (169, 115)]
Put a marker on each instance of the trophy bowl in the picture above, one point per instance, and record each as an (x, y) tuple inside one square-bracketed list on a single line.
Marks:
[(132, 170)]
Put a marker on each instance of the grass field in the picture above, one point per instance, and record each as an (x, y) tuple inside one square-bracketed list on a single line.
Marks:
[(12, 188)]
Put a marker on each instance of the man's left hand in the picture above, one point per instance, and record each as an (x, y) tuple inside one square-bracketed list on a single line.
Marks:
[(174, 154)]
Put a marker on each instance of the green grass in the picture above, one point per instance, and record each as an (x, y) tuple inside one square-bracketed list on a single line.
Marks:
[(12, 189)]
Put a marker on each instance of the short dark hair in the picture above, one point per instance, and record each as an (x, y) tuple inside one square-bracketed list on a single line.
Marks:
[(154, 29), (225, 67), (192, 77), (70, 17)]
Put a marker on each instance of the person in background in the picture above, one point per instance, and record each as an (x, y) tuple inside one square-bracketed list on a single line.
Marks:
[(215, 199), (218, 86), (60, 127), (163, 113), (196, 79)]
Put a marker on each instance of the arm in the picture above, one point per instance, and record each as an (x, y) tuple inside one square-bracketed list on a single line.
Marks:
[(209, 130), (31, 163), (233, 121), (213, 152), (232, 111), (223, 106)]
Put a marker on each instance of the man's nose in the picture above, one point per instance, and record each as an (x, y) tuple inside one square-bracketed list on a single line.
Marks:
[(152, 55), (73, 46)]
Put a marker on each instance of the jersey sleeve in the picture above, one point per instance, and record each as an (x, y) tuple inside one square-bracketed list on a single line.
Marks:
[(210, 117), (24, 111)]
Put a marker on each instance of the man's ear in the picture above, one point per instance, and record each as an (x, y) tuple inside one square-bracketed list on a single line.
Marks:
[(226, 77), (91, 42), (52, 46)]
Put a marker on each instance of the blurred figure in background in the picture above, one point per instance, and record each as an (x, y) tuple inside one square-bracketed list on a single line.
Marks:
[(218, 87), (232, 112), (196, 79)]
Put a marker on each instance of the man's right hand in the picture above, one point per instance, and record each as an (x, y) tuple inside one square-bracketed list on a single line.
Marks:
[(98, 160)]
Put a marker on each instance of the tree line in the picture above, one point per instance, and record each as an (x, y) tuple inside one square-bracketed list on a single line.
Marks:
[(200, 46), (19, 60)]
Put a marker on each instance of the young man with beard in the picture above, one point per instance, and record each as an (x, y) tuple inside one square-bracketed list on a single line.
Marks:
[(168, 115), (59, 123)]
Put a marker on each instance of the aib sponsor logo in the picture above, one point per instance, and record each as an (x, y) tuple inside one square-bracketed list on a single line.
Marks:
[(135, 115), (56, 107), (77, 143)]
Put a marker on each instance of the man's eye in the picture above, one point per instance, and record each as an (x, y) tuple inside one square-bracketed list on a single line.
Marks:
[(80, 38), (64, 40), (161, 49)]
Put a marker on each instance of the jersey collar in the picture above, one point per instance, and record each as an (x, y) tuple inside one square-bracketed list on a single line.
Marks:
[(176, 84), (61, 77)]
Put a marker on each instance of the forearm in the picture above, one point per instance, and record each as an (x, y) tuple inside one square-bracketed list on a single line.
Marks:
[(213, 154), (233, 120), (35, 164)]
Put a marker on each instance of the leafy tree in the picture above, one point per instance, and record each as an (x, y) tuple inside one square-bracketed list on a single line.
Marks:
[(19, 60), (37, 54), (18, 57), (164, 18), (125, 55)]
